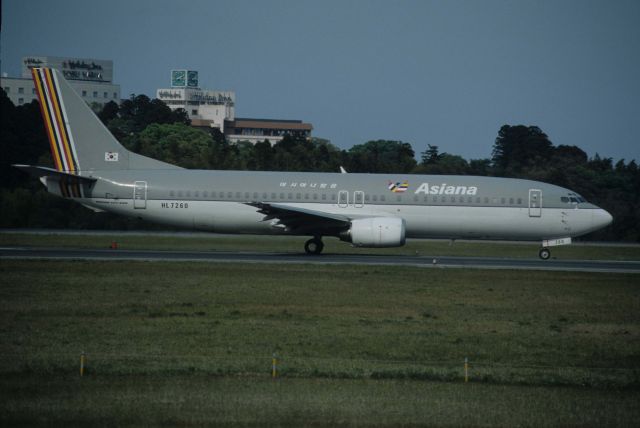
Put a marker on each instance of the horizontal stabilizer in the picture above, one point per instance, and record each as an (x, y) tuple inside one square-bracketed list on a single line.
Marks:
[(43, 171)]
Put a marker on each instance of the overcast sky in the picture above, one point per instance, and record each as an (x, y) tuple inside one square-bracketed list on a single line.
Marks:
[(446, 73)]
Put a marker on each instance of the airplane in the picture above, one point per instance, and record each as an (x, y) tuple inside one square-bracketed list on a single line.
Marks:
[(366, 210)]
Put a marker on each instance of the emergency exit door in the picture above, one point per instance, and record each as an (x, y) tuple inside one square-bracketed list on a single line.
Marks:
[(140, 195), (535, 203)]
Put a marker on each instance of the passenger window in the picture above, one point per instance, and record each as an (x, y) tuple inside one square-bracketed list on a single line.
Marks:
[(315, 196), (399, 198), (298, 195), (306, 196), (324, 197), (486, 200), (281, 195), (519, 201), (239, 195), (503, 201), (382, 198), (478, 200), (179, 193), (290, 196), (230, 195), (510, 201), (375, 198), (188, 193), (255, 195), (333, 196), (564, 199), (172, 193)]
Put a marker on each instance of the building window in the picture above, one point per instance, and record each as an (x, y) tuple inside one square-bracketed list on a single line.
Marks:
[(95, 94), (20, 100), (84, 93), (115, 95), (21, 90), (106, 95), (194, 112), (7, 89)]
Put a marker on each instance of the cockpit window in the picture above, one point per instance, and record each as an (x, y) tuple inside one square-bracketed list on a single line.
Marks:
[(574, 198)]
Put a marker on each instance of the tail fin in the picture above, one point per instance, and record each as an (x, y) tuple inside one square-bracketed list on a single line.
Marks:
[(80, 143)]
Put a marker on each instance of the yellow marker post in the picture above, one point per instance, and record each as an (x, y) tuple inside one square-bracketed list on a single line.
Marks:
[(274, 363), (466, 370), (82, 364)]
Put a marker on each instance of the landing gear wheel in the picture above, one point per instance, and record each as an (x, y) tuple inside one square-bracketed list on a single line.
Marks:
[(544, 253), (314, 246)]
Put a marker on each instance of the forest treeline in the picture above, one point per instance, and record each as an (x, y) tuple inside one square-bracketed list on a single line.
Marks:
[(150, 128)]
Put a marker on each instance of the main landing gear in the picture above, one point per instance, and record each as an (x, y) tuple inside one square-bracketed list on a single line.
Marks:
[(544, 253), (314, 246)]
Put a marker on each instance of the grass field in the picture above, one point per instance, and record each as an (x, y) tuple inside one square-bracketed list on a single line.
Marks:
[(332, 245), (192, 343)]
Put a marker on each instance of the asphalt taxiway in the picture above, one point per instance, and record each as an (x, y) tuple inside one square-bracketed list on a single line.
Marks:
[(334, 259)]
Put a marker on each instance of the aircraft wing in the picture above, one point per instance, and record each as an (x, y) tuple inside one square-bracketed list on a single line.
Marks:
[(302, 220)]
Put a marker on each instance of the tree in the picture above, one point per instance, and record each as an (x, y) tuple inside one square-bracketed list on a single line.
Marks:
[(138, 112), (519, 149), (176, 143), (430, 156), (382, 156)]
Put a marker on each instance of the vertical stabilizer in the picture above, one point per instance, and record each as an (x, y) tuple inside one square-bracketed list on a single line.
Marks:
[(80, 143)]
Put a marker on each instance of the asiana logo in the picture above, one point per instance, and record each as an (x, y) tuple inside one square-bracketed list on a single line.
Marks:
[(398, 187)]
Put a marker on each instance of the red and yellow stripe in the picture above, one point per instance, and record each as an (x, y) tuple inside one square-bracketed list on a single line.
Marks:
[(57, 128), (55, 120)]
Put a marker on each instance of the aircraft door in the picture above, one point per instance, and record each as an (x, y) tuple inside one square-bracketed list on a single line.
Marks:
[(343, 199), (535, 203), (140, 195), (358, 199)]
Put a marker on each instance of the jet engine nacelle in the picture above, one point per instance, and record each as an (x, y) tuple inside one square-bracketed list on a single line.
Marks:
[(377, 232)]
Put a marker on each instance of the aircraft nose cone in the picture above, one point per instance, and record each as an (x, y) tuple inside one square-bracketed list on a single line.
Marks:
[(601, 218)]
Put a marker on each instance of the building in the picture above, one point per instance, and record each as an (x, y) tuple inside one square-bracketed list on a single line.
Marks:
[(216, 109), (90, 78), (255, 130), (205, 108)]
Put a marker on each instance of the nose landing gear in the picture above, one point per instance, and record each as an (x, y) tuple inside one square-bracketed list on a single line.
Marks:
[(314, 246), (544, 253)]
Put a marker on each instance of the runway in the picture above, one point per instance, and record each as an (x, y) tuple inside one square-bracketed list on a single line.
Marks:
[(25, 253)]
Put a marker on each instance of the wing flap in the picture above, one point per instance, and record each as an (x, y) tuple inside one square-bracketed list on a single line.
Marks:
[(302, 220)]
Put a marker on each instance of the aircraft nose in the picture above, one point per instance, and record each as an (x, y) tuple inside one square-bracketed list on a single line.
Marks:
[(600, 218)]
